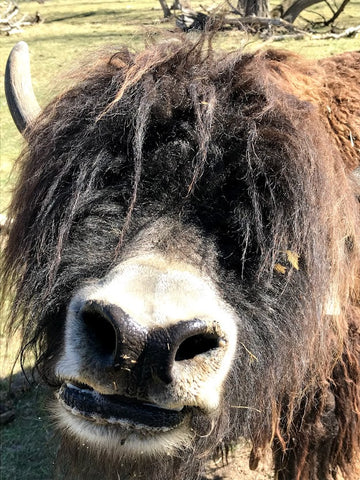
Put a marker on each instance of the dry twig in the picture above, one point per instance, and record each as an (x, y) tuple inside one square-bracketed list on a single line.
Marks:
[(9, 23), (349, 32)]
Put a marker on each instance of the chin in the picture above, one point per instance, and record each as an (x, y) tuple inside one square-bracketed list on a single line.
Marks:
[(121, 427)]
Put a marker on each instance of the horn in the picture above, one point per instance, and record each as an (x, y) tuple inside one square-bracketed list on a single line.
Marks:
[(20, 96)]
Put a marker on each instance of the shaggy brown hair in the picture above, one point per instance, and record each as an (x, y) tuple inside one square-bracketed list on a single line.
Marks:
[(257, 152)]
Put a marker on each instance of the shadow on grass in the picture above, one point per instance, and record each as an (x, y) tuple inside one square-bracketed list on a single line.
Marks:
[(72, 17), (28, 443), (82, 15)]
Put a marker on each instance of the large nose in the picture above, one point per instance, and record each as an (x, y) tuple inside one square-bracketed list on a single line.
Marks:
[(117, 341)]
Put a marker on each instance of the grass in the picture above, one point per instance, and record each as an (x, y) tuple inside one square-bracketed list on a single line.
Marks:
[(69, 28), (28, 443)]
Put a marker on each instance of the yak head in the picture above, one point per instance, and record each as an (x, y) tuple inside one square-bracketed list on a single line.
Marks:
[(183, 258), (147, 347)]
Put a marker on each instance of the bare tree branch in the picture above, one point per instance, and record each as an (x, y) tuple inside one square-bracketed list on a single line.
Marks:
[(9, 24), (337, 13), (234, 9), (349, 32), (329, 5), (260, 22)]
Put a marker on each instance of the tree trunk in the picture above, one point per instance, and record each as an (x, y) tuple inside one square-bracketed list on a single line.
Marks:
[(289, 10), (176, 5), (259, 8), (165, 8)]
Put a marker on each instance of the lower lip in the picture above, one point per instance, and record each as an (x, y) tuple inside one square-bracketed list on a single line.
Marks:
[(118, 410)]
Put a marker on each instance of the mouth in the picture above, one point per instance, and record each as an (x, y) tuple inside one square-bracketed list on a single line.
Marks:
[(83, 401)]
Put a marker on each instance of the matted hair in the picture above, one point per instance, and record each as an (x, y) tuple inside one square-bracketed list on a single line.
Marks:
[(254, 149)]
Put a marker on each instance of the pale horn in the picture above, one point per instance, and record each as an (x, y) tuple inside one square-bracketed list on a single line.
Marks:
[(19, 92)]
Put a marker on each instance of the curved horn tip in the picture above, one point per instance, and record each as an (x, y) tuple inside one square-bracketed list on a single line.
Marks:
[(20, 96), (22, 45)]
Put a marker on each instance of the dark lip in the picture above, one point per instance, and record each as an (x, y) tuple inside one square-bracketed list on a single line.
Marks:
[(117, 409)]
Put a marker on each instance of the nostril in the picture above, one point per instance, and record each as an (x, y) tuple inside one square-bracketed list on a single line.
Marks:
[(196, 345), (99, 329)]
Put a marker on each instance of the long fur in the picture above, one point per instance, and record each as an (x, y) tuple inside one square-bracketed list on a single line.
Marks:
[(257, 152)]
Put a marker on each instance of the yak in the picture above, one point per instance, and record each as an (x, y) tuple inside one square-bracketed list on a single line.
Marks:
[(183, 257)]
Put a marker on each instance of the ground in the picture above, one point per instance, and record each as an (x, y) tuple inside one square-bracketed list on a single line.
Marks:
[(238, 468)]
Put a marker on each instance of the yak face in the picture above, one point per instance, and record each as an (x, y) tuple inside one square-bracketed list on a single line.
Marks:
[(184, 258), (146, 348)]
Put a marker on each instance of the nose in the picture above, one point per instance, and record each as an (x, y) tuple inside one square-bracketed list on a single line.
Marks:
[(116, 340), (178, 344), (110, 334)]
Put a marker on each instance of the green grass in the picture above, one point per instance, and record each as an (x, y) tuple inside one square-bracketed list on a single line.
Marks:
[(28, 443), (70, 28)]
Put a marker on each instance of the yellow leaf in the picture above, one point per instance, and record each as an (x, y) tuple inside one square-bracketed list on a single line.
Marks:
[(293, 258), (280, 268)]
